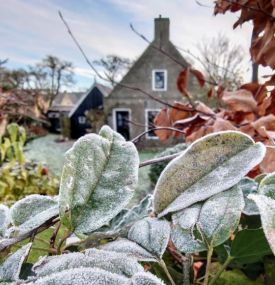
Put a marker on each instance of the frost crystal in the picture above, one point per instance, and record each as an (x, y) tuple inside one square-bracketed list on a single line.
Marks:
[(129, 248), (4, 219), (110, 261), (82, 276), (214, 221), (98, 180), (210, 165), (31, 212), (10, 269), (146, 278), (220, 215), (152, 234), (266, 207)]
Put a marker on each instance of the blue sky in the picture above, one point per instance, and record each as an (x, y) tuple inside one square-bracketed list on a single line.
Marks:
[(31, 29)]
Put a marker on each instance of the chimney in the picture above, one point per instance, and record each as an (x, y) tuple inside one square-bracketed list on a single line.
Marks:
[(162, 30)]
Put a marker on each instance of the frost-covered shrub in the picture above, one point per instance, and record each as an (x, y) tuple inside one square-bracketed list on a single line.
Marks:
[(196, 207)]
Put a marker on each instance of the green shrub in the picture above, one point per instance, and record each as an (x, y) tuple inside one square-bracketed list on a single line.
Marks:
[(194, 214), (156, 169), (19, 177)]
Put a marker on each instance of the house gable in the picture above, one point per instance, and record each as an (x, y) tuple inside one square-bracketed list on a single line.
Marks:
[(162, 56)]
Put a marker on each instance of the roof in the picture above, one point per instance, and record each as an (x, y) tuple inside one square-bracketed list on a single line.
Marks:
[(102, 88), (67, 99)]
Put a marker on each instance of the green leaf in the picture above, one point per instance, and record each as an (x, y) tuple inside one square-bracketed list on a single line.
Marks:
[(129, 248), (266, 207), (31, 212), (146, 278), (267, 186), (249, 246), (211, 223), (10, 269), (80, 276), (249, 186), (4, 219), (110, 261), (98, 180), (128, 216), (184, 229), (210, 165), (152, 234), (220, 215)]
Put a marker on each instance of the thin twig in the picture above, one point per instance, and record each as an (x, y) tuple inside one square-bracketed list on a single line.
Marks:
[(158, 160), (157, 99), (137, 138), (54, 235)]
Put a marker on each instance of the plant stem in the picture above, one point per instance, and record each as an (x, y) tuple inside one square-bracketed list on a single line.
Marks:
[(217, 275), (59, 251), (208, 263), (164, 267), (186, 265)]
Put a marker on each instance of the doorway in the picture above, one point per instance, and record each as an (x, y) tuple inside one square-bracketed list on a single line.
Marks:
[(121, 123)]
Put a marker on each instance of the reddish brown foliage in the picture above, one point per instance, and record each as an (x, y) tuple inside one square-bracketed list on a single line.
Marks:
[(262, 14)]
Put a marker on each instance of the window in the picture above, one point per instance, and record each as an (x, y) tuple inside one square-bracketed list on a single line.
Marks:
[(82, 120), (150, 115), (159, 80), (53, 115)]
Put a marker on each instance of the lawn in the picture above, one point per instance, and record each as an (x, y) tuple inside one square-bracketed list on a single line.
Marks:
[(48, 150)]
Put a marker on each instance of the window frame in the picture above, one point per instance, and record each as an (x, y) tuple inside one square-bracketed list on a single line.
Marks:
[(115, 110), (80, 122), (147, 110), (154, 71)]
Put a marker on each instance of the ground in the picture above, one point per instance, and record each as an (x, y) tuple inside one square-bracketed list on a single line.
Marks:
[(48, 150)]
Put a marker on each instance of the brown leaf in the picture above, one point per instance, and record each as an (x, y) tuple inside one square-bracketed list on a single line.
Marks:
[(240, 100), (199, 76), (176, 114), (162, 119), (271, 80), (211, 92), (266, 123), (183, 80)]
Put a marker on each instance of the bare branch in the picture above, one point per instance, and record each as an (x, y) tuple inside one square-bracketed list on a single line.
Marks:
[(137, 138)]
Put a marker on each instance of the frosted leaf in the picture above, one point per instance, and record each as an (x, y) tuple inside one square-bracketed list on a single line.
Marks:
[(267, 186), (249, 186), (129, 248), (152, 234), (214, 221), (31, 212), (82, 276), (182, 233), (136, 213), (128, 216), (114, 262), (146, 278), (210, 165), (266, 207), (186, 241), (10, 269), (109, 261), (99, 176), (220, 215), (188, 217), (4, 219)]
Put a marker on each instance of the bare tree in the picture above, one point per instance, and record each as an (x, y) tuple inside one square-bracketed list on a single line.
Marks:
[(51, 74), (222, 62), (114, 66)]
